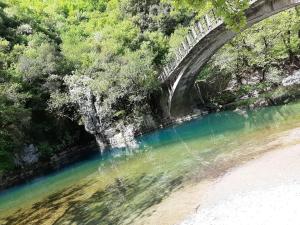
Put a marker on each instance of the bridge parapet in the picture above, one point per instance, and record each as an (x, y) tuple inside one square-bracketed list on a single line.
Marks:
[(199, 29), (196, 33)]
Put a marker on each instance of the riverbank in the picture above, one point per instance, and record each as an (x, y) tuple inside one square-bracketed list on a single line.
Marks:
[(56, 162), (263, 191), (275, 164)]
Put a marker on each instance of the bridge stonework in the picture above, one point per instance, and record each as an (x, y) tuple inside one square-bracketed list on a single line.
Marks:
[(205, 37)]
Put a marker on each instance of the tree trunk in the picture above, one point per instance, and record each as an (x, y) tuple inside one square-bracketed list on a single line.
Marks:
[(265, 68), (293, 58)]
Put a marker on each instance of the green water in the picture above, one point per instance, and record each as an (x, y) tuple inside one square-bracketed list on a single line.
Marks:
[(118, 188)]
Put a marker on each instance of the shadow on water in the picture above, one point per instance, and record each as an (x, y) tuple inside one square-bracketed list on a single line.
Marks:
[(119, 203), (43, 210)]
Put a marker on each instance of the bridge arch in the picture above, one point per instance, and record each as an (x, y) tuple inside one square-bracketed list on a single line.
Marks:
[(205, 38)]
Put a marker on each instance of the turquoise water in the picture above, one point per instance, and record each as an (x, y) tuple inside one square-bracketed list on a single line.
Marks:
[(118, 188)]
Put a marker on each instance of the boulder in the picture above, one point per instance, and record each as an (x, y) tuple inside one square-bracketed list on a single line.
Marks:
[(122, 136)]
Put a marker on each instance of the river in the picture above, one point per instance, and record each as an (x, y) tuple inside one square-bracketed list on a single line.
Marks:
[(119, 187)]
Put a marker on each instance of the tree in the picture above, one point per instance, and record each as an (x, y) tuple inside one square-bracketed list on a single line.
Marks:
[(231, 11)]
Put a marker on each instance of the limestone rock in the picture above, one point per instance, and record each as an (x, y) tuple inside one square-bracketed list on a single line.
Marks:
[(28, 156), (25, 29), (292, 80), (122, 136), (274, 75)]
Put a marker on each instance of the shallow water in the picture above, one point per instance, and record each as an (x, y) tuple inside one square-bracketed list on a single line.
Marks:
[(118, 188)]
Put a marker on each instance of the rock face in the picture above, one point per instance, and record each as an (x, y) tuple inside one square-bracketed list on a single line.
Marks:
[(292, 80), (34, 168), (274, 75), (122, 137), (107, 134), (89, 109), (98, 119), (28, 156)]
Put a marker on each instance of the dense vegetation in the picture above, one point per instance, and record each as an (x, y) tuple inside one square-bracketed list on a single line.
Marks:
[(31, 68), (55, 56), (256, 61), (96, 62)]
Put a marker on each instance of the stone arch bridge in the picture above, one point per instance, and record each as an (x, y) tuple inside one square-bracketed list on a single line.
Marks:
[(205, 37)]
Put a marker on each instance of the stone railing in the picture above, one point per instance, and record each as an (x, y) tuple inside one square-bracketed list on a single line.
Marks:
[(196, 33), (199, 30)]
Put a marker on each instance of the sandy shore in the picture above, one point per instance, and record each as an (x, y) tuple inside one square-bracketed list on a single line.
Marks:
[(263, 191), (260, 189)]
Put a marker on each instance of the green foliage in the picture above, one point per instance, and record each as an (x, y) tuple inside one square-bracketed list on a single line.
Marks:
[(259, 58), (14, 118), (232, 11), (45, 149), (262, 47), (175, 41), (31, 68)]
